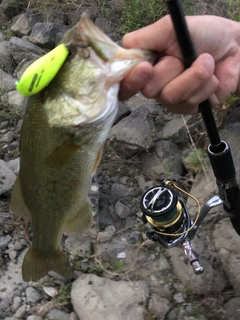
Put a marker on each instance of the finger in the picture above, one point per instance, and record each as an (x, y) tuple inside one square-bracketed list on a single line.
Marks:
[(135, 80), (187, 84), (150, 37), (191, 105), (167, 69), (227, 72)]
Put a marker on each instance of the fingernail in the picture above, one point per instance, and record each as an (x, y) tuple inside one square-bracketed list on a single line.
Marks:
[(209, 61)]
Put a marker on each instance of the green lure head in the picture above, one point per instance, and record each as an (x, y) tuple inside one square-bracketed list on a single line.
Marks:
[(41, 72)]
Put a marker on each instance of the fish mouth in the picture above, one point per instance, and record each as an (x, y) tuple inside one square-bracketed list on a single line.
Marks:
[(90, 96), (98, 120), (81, 115)]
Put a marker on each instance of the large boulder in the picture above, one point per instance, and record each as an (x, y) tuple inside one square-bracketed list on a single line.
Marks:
[(101, 298)]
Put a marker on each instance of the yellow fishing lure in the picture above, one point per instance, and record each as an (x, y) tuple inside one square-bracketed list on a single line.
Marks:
[(41, 72)]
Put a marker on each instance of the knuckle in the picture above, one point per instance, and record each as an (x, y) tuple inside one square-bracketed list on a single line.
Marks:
[(149, 92), (169, 98), (202, 74)]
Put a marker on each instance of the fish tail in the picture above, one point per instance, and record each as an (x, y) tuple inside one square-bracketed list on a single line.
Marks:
[(35, 266)]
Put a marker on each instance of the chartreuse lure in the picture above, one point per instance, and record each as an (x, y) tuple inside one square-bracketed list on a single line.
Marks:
[(41, 72)]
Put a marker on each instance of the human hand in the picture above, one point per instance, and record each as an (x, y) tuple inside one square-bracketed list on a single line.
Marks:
[(214, 74)]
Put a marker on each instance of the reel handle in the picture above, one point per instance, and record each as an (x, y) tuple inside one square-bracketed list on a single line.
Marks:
[(197, 268)]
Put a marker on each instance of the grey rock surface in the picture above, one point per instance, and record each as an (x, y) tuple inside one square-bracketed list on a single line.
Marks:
[(14, 165), (123, 111), (22, 49), (159, 306), (4, 20), (7, 178), (57, 314), (175, 130), (6, 62), (232, 309), (108, 299), (105, 25), (133, 134), (32, 317), (7, 82), (195, 283), (25, 21), (164, 160), (44, 34), (10, 8), (32, 295), (17, 100), (227, 243)]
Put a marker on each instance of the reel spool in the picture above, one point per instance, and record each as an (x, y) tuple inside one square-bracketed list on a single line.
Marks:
[(163, 210)]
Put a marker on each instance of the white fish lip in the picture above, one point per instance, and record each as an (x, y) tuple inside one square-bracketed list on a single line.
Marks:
[(108, 110)]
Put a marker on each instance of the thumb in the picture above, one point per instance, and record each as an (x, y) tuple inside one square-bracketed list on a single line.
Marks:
[(157, 36)]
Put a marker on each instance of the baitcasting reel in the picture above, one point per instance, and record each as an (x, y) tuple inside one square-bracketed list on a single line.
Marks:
[(170, 223)]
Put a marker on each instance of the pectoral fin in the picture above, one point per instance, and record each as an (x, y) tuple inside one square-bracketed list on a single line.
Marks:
[(17, 203), (99, 156), (81, 222), (62, 154)]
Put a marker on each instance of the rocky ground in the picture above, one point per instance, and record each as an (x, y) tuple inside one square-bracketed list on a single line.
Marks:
[(118, 273)]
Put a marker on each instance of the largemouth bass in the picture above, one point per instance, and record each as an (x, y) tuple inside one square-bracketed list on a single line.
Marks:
[(62, 136)]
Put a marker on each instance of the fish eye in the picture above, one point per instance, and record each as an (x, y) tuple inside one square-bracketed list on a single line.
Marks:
[(72, 51)]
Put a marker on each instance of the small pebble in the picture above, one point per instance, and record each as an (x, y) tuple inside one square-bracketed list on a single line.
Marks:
[(121, 210), (178, 297), (16, 303), (7, 137), (134, 237), (12, 254), (32, 317), (3, 124), (20, 313), (4, 304), (4, 241), (18, 245), (94, 188), (73, 316), (32, 295), (50, 291), (121, 255), (153, 278), (57, 314)]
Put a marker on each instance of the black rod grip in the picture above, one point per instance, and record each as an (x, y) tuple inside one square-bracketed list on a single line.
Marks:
[(222, 162), (233, 197)]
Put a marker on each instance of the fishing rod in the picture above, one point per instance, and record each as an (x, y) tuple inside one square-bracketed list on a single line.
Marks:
[(163, 206)]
